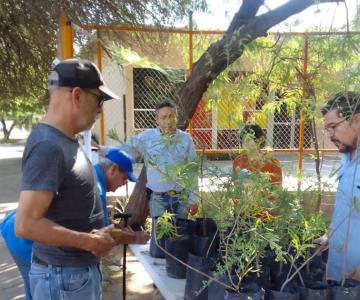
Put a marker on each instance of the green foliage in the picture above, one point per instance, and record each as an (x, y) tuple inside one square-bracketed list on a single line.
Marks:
[(271, 69), (165, 226), (240, 252), (185, 174), (28, 41), (356, 204), (112, 134), (24, 112), (253, 216), (124, 56)]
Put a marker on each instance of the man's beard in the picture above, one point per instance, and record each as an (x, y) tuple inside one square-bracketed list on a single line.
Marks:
[(343, 148)]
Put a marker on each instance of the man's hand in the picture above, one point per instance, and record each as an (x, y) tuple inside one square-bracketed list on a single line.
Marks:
[(101, 241), (192, 209), (129, 236), (355, 274), (141, 237), (323, 242)]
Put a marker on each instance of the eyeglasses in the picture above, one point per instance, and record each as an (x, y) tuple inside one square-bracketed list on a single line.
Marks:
[(100, 98), (330, 128)]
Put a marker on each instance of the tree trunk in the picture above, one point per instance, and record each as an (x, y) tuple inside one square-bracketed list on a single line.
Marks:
[(138, 205), (244, 28), (6, 131)]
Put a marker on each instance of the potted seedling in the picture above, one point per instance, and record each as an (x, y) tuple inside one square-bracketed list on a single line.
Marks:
[(242, 251), (244, 235), (176, 245), (299, 254)]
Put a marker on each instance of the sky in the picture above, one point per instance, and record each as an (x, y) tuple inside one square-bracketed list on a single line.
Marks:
[(324, 15)]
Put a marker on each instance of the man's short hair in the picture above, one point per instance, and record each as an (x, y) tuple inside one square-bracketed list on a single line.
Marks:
[(252, 130), (346, 104), (167, 102)]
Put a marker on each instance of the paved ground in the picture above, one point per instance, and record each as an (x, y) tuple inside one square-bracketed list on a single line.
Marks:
[(139, 283)]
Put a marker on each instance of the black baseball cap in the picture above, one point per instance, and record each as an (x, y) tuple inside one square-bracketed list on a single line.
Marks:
[(79, 73)]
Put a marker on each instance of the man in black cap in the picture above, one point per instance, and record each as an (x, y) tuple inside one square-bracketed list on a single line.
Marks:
[(113, 171), (59, 205)]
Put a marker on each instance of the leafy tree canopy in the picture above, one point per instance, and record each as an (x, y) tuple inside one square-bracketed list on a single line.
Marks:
[(28, 38)]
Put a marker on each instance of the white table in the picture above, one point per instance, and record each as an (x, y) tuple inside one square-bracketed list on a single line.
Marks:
[(170, 288)]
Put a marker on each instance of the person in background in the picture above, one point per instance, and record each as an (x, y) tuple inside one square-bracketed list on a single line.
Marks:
[(59, 205), (113, 171), (163, 147), (252, 139), (342, 125)]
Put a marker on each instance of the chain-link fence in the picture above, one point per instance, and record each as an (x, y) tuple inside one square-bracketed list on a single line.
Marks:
[(212, 130), (151, 87), (215, 127)]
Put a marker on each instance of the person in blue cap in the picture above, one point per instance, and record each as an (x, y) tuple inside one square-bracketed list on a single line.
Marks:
[(112, 171)]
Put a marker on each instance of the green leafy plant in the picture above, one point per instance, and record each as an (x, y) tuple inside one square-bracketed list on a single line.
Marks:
[(165, 226)]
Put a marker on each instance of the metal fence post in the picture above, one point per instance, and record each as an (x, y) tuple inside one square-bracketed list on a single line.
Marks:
[(65, 49), (302, 117)]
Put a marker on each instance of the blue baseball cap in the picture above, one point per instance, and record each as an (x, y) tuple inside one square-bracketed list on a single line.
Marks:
[(124, 161)]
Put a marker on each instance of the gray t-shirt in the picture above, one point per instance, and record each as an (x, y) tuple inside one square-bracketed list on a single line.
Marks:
[(54, 162)]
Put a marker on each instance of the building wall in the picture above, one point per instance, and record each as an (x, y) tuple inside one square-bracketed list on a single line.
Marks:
[(114, 77)]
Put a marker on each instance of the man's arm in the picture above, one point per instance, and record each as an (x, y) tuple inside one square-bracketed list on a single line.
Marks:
[(31, 224), (135, 145)]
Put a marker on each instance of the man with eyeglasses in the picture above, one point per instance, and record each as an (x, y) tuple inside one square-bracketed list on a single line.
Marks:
[(59, 205), (342, 125)]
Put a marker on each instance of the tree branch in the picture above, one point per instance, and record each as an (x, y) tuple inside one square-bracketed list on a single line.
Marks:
[(265, 21), (225, 51), (247, 11)]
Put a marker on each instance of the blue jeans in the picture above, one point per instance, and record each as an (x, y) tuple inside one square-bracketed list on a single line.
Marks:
[(159, 203), (24, 268), (65, 283)]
